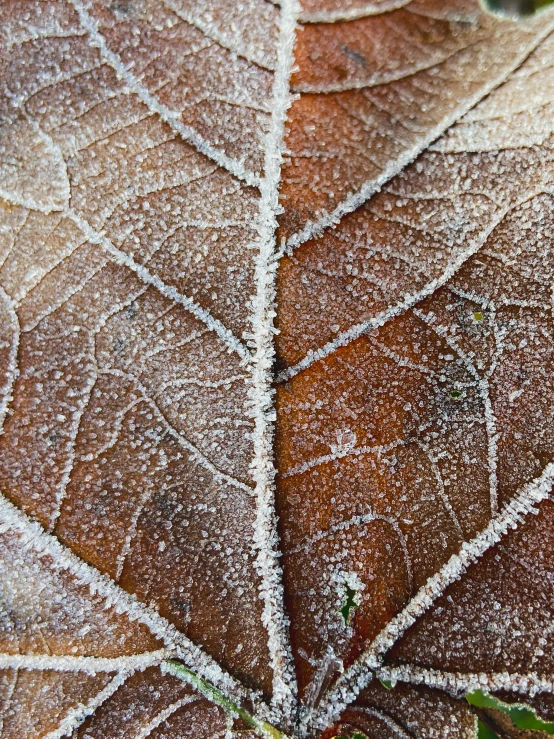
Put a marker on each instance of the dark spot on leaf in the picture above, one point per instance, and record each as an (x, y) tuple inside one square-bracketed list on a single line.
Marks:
[(121, 8), (53, 437), (354, 55), (181, 605), (131, 311)]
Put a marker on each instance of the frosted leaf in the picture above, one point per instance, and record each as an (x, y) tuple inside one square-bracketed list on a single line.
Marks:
[(45, 612), (50, 625), (201, 67), (515, 115), (418, 231), (446, 435), (35, 703), (149, 705), (249, 28), (44, 187), (276, 361), (129, 431), (375, 91), (406, 711), (498, 618), (139, 462)]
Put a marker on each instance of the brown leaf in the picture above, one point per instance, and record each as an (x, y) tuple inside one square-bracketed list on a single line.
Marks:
[(455, 200), (276, 361), (405, 711), (109, 463), (36, 702), (45, 611), (401, 444), (160, 707), (376, 90), (498, 618)]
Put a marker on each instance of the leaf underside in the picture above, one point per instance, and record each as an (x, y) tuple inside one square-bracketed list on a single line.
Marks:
[(276, 369)]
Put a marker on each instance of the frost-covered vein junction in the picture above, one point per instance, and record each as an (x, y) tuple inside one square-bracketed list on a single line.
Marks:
[(172, 118), (162, 716), (490, 419), (213, 32), (360, 673), (33, 536), (261, 394), (75, 716), (167, 291), (176, 434), (354, 332), (96, 372), (369, 188)]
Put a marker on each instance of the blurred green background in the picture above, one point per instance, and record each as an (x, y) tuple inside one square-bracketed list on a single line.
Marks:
[(518, 7)]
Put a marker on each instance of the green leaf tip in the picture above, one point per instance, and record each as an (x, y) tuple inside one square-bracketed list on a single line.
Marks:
[(521, 715), (209, 691)]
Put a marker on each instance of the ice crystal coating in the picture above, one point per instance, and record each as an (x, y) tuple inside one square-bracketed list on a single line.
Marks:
[(276, 367)]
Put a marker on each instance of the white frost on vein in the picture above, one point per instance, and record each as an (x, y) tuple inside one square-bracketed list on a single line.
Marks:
[(461, 683), (359, 675), (11, 369), (383, 718), (261, 394), (164, 715), (408, 301), (75, 717), (172, 118), (484, 391), (88, 665), (33, 536), (369, 188), (352, 14), (119, 257)]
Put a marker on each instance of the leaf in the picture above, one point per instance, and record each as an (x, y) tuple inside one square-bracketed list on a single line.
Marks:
[(276, 361), (150, 704), (405, 711), (371, 95)]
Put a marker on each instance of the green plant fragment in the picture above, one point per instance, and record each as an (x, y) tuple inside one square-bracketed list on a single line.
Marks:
[(517, 7), (209, 691), (349, 604), (521, 715), (483, 731)]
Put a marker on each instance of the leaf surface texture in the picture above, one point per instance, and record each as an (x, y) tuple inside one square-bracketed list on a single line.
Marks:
[(276, 361)]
